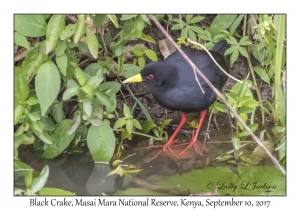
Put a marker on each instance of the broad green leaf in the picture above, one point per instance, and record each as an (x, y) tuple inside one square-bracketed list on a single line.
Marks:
[(234, 56), (54, 29), (126, 111), (62, 63), (253, 128), (136, 124), (131, 70), (30, 25), (61, 139), (138, 51), (21, 88), (21, 40), (32, 101), (87, 107), (192, 35), (148, 126), (37, 126), (245, 109), (74, 124), (244, 118), (244, 88), (197, 29), (60, 48), (39, 182), (48, 124), (92, 43), (67, 32), (18, 112), (147, 38), (88, 90), (95, 81), (47, 191), (57, 112), (129, 125), (70, 92), (127, 17), (104, 99), (119, 123), (236, 143), (232, 41), (243, 51), (220, 23), (110, 88), (27, 138), (80, 76), (101, 142), (31, 68), (176, 27), (262, 73), (99, 20), (244, 41), (47, 84), (34, 116), (92, 69), (188, 18), (79, 29), (114, 20), (151, 54), (141, 62)]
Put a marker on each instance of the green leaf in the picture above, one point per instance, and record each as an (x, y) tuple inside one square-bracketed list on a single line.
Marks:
[(129, 125), (21, 40), (79, 74), (47, 84), (253, 128), (21, 88), (126, 111), (39, 182), (188, 18), (95, 81), (243, 51), (60, 48), (62, 63), (148, 126), (61, 139), (57, 112), (70, 92), (110, 88), (220, 23), (244, 118), (37, 126), (114, 20), (31, 67), (74, 124), (119, 123), (234, 56), (139, 51), (79, 29), (48, 124), (99, 20), (92, 69), (244, 88), (30, 25), (136, 124), (151, 54), (236, 143), (104, 99), (34, 116), (92, 43), (176, 27), (87, 107), (18, 112), (32, 101), (196, 19), (101, 142), (54, 29), (235, 24), (131, 70), (147, 38), (244, 41), (141, 61), (245, 109), (198, 30), (262, 73), (67, 32), (232, 41), (47, 191), (230, 50)]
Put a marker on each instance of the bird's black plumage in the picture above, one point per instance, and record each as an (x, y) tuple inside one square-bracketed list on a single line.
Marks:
[(172, 81)]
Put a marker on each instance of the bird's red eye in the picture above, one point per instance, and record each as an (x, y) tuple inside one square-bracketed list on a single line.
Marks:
[(150, 77)]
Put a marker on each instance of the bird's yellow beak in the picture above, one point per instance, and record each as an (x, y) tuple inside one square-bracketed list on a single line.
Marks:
[(135, 78)]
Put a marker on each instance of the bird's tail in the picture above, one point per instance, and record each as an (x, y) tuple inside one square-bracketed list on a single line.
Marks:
[(220, 47)]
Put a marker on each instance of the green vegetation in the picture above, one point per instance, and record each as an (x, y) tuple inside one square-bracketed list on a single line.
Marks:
[(80, 59)]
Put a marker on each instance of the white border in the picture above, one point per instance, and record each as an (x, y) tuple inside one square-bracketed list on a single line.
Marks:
[(148, 6)]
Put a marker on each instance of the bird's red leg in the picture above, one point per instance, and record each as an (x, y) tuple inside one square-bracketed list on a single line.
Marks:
[(172, 139), (194, 137)]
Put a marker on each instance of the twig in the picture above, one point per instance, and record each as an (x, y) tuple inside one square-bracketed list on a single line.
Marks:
[(207, 129), (217, 92), (20, 54)]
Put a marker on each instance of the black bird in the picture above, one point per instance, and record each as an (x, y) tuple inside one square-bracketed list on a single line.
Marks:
[(173, 85)]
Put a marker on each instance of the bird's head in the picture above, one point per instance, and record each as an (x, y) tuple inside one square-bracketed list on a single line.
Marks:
[(159, 75)]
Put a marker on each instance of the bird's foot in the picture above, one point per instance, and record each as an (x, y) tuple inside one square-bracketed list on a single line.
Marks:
[(165, 147), (193, 143)]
